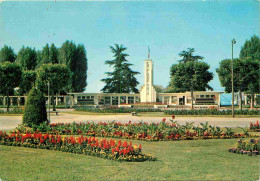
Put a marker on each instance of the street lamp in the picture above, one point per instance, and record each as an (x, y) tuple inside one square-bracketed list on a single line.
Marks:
[(232, 78)]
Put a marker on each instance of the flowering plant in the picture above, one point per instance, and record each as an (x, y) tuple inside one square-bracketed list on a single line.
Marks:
[(248, 147), (109, 149), (140, 131), (254, 126)]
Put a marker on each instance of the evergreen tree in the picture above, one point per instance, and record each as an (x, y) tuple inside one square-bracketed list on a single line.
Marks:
[(122, 80), (35, 108), (251, 48), (27, 58), (7, 54), (74, 57), (49, 54)]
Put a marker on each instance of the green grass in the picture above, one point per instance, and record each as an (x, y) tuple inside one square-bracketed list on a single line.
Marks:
[(177, 160)]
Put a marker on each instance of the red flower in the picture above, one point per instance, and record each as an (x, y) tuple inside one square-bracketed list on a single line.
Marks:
[(140, 146)]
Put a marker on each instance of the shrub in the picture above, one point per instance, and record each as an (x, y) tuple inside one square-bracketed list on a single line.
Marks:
[(211, 112), (116, 110), (35, 109)]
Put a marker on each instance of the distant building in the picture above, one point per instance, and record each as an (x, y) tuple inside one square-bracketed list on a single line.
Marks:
[(147, 95)]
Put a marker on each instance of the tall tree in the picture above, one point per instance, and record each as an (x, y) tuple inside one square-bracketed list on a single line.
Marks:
[(122, 80), (27, 81), (10, 76), (7, 54), (188, 56), (190, 74), (251, 48), (59, 77), (75, 58), (27, 58), (49, 54)]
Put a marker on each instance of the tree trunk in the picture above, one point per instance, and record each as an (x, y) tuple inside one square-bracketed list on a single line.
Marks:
[(52, 100), (8, 104), (192, 107), (252, 101), (240, 100)]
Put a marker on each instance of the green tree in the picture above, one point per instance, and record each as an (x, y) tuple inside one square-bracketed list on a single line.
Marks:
[(188, 56), (251, 48), (49, 54), (74, 57), (27, 81), (35, 108), (10, 76), (189, 74), (246, 76), (7, 54), (59, 77), (158, 88), (122, 80), (27, 58)]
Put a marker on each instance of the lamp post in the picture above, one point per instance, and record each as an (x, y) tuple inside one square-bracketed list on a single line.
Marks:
[(49, 100), (232, 78)]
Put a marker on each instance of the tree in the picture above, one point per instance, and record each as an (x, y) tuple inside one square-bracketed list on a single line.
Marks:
[(251, 48), (35, 109), (27, 81), (49, 54), (158, 88), (188, 56), (74, 57), (59, 77), (122, 80), (246, 76), (10, 76), (189, 74), (27, 58), (7, 54)]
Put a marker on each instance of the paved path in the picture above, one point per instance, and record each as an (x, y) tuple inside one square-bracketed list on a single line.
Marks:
[(11, 122)]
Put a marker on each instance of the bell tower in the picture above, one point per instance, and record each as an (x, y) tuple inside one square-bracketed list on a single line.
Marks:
[(148, 93)]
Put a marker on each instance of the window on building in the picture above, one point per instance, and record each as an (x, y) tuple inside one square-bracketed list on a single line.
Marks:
[(207, 96), (101, 100), (130, 100), (174, 99), (159, 99), (107, 100), (137, 99), (115, 100), (201, 96), (122, 99)]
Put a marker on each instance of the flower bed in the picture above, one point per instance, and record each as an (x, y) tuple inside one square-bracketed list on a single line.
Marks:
[(139, 131), (254, 126), (82, 145), (211, 112), (116, 110), (248, 147)]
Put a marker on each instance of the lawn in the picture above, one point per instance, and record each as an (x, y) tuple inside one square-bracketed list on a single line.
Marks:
[(177, 160)]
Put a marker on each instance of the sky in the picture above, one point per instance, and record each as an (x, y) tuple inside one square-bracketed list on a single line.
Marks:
[(167, 27)]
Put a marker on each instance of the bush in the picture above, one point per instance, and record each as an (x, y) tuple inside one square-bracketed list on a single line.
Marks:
[(211, 112), (35, 109), (116, 110)]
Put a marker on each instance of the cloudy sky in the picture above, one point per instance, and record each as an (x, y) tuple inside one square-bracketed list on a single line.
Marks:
[(167, 27)]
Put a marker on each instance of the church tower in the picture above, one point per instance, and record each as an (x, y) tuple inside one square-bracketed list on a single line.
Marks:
[(148, 93)]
